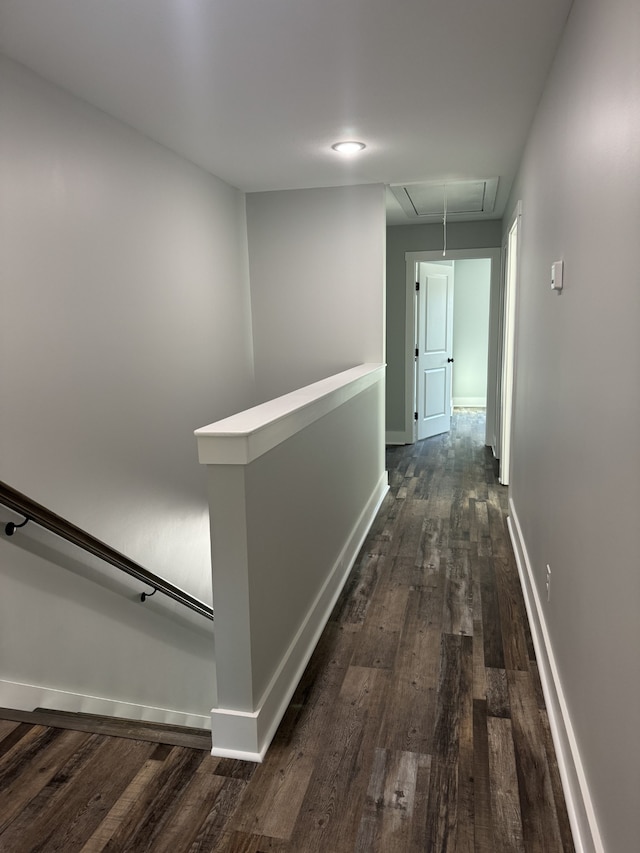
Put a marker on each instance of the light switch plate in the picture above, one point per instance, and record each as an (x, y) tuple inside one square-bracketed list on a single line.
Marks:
[(557, 270)]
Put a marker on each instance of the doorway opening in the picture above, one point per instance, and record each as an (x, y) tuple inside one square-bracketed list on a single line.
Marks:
[(452, 326)]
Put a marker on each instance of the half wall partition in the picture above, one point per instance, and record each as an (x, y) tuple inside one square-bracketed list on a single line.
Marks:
[(294, 485)]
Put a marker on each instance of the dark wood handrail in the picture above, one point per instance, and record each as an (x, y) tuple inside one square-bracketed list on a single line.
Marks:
[(47, 519)]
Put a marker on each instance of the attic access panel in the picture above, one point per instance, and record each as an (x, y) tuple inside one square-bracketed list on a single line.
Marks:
[(464, 198)]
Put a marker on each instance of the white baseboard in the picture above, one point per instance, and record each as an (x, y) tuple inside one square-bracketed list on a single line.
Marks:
[(397, 437), (247, 735), (28, 697), (470, 402), (586, 835)]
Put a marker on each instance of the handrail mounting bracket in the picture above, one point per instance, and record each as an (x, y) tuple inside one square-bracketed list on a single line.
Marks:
[(11, 527)]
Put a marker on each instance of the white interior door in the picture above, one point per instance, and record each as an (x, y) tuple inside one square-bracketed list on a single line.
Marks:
[(434, 346)]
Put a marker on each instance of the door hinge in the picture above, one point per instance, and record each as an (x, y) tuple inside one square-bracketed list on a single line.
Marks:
[(415, 416), (417, 285), (417, 352)]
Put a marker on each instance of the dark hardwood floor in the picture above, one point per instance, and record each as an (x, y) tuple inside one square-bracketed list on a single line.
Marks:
[(419, 724)]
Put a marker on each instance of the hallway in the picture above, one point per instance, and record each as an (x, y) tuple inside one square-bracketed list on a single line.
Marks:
[(419, 723)]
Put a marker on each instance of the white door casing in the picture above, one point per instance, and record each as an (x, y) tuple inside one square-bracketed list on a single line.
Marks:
[(434, 348), (509, 347)]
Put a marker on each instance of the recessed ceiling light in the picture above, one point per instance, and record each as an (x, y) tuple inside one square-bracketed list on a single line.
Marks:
[(350, 147)]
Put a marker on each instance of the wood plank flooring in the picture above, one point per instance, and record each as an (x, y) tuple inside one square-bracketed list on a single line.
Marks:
[(134, 729), (419, 724)]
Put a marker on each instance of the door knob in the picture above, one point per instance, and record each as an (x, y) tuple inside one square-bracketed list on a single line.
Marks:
[(449, 360)]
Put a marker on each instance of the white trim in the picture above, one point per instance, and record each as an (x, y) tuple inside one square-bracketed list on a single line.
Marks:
[(586, 835), (509, 220), (27, 697), (509, 342), (233, 731), (470, 402), (397, 437), (241, 438)]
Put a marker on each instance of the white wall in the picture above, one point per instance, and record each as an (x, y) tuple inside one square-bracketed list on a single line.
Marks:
[(576, 455), (317, 283), (76, 639), (124, 325), (471, 295)]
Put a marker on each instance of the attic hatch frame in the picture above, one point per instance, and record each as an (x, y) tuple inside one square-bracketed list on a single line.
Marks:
[(406, 196)]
